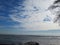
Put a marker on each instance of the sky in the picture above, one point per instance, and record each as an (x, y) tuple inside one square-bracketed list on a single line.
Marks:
[(27, 17)]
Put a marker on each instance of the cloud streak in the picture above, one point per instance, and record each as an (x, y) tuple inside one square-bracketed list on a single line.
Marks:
[(32, 13)]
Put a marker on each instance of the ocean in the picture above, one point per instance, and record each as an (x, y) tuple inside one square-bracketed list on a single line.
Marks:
[(23, 39)]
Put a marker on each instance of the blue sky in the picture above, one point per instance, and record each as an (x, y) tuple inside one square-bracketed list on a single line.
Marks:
[(6, 23), (21, 17), (5, 9)]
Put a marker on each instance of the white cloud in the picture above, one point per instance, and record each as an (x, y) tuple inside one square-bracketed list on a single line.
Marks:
[(34, 19)]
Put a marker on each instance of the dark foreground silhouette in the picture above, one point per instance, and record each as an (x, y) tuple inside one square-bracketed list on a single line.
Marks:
[(31, 43)]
